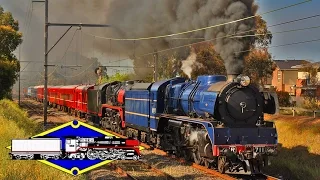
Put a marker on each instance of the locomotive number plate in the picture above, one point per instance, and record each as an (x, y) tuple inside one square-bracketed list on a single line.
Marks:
[(260, 149)]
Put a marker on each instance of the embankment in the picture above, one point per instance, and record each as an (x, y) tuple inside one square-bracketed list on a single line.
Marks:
[(299, 147), (15, 124)]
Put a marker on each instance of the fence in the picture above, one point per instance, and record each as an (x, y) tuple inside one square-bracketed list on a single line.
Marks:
[(295, 109)]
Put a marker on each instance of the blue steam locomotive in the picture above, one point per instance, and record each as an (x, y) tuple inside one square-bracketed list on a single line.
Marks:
[(216, 121)]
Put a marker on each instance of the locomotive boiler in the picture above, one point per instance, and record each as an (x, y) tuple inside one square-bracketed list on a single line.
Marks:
[(233, 101)]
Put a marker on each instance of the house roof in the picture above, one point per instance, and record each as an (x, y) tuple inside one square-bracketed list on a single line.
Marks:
[(315, 65), (287, 64)]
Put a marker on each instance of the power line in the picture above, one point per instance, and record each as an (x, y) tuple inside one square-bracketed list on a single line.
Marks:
[(204, 28), (289, 44), (293, 30), (233, 35), (287, 22), (279, 32)]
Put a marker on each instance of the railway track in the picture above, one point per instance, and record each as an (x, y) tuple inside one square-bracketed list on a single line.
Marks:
[(32, 108), (35, 109), (139, 170)]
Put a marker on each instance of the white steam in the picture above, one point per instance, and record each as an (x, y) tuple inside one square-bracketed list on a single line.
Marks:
[(187, 64), (193, 136)]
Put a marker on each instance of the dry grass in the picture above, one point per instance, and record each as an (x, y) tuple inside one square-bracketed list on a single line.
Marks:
[(299, 140), (14, 123)]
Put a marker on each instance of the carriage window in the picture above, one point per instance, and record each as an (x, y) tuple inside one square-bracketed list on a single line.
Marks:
[(68, 141)]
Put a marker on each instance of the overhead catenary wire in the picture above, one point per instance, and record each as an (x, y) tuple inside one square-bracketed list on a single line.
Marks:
[(78, 73), (25, 67), (27, 16), (204, 28), (38, 7), (232, 35), (27, 22), (65, 53)]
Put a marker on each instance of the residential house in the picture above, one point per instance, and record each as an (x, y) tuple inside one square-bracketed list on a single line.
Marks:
[(284, 77), (304, 86)]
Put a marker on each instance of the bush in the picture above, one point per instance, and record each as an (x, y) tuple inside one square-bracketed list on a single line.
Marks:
[(117, 77), (310, 103), (284, 99)]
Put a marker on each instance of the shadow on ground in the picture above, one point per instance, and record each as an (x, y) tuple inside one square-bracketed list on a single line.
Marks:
[(295, 164)]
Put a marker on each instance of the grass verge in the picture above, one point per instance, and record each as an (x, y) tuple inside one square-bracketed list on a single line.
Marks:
[(299, 148), (14, 123)]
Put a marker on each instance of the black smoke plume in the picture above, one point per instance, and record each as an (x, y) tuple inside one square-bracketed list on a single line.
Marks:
[(145, 18)]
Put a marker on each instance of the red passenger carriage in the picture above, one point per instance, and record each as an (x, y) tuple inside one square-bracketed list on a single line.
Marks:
[(39, 93), (54, 95), (81, 93), (68, 98)]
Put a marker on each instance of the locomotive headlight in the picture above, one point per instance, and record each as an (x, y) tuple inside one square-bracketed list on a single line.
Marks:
[(244, 80)]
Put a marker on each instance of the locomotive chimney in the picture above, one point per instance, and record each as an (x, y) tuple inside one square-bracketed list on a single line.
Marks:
[(231, 77)]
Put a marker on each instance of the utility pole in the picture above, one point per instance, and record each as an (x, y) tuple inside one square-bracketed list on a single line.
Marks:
[(46, 52), (19, 72), (46, 33), (155, 65)]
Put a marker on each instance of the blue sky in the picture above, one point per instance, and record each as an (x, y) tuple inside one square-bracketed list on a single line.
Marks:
[(302, 51)]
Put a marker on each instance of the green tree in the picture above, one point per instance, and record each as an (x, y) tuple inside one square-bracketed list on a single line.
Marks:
[(10, 38), (312, 72), (263, 36), (208, 61), (169, 67), (117, 77), (310, 99), (259, 66), (143, 68), (284, 98)]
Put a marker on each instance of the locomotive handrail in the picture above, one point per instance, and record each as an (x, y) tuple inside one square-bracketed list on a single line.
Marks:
[(294, 109), (191, 96), (189, 83), (167, 96)]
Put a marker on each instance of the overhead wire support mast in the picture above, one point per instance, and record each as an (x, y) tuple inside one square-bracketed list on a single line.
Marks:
[(46, 52), (19, 73)]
